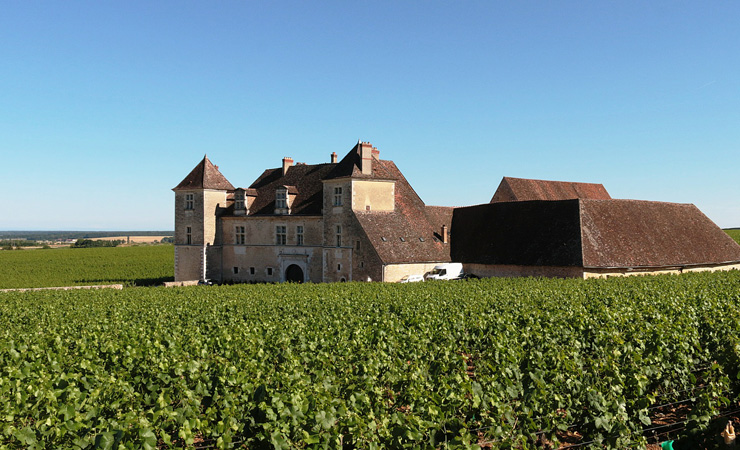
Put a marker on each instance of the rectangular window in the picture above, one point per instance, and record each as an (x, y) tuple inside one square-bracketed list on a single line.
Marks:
[(337, 196), (239, 204), (240, 235), (339, 235), (281, 199), (189, 236), (358, 244), (251, 270), (299, 235), (280, 235), (269, 271), (236, 270), (189, 201)]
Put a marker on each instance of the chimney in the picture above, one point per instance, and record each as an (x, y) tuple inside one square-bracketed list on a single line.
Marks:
[(445, 235), (366, 158), (376, 153), (333, 157), (287, 162)]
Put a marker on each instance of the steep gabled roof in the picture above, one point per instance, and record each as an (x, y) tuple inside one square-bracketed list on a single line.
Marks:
[(205, 176), (522, 189), (589, 233), (350, 166)]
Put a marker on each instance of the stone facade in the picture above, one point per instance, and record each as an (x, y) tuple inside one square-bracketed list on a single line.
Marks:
[(299, 223)]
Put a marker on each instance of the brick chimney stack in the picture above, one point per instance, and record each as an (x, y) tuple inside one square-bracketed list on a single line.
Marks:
[(366, 158), (333, 157), (445, 234), (287, 162)]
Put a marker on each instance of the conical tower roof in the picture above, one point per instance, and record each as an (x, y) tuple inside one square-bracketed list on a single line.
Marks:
[(205, 176)]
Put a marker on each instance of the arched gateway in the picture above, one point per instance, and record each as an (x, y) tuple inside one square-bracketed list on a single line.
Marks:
[(294, 273)]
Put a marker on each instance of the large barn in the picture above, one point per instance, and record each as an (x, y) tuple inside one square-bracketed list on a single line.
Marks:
[(561, 229)]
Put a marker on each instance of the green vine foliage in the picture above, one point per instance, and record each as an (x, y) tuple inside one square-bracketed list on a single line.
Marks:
[(502, 363)]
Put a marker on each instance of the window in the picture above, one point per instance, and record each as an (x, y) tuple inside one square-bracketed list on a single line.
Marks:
[(239, 204), (358, 244), (240, 236), (236, 270), (281, 198), (280, 233), (189, 201), (251, 270), (339, 235), (189, 235), (339, 267), (337, 196), (299, 235), (269, 271)]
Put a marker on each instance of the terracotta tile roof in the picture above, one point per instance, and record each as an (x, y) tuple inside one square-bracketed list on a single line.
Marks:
[(522, 189), (589, 233), (205, 176), (633, 233)]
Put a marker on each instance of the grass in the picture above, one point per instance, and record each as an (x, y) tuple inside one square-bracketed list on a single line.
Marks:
[(137, 265), (735, 234)]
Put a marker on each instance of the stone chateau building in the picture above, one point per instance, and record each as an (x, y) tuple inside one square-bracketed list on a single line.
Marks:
[(354, 219), (359, 219)]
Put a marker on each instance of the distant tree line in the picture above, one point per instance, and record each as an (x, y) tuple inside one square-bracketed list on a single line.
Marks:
[(5, 243), (88, 243), (62, 235)]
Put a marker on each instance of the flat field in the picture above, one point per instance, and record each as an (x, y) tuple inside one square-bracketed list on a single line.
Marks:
[(495, 363), (139, 265)]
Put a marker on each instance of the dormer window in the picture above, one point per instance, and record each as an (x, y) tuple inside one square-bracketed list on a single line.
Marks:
[(337, 196), (281, 198), (189, 201)]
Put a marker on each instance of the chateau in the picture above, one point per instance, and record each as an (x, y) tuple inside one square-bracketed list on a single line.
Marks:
[(354, 219), (358, 219)]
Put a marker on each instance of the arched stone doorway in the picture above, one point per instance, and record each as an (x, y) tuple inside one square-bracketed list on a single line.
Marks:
[(294, 273)]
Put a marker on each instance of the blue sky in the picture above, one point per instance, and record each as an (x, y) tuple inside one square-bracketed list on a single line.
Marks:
[(106, 106)]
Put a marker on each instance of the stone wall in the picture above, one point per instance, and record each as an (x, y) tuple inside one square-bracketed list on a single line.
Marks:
[(373, 195)]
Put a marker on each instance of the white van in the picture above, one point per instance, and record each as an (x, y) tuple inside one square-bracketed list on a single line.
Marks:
[(412, 278), (448, 271)]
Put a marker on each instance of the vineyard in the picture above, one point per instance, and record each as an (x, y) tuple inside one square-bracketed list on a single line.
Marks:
[(139, 265), (495, 363)]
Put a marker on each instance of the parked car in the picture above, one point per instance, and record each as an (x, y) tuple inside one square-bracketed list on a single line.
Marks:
[(412, 278), (448, 271)]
